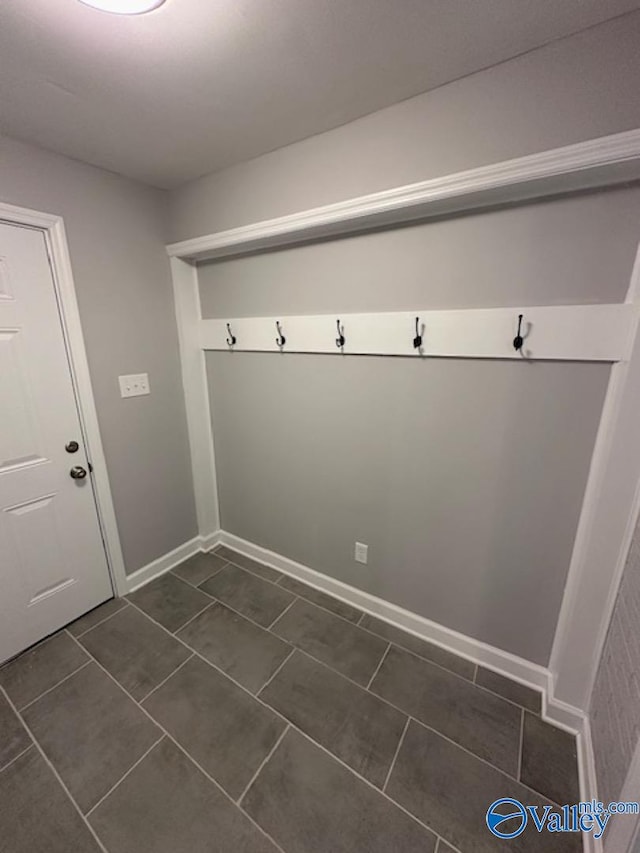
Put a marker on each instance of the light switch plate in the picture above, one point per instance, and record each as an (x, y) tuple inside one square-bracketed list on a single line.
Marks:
[(134, 385)]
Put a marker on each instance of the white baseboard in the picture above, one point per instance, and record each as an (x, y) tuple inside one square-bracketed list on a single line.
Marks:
[(514, 667), (163, 564), (588, 782), (210, 540)]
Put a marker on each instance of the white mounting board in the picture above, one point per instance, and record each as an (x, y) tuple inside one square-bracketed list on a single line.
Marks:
[(565, 332)]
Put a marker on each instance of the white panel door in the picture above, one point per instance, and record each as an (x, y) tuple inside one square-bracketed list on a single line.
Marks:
[(53, 566)]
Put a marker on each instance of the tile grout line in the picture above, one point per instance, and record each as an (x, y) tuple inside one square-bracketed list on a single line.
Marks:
[(262, 764), (307, 600), (363, 614), (520, 747), (124, 776), (194, 585), (471, 680), (289, 725), (101, 622), (215, 600), (377, 669), (395, 755), (184, 751), (529, 788), (280, 615), (255, 574), (56, 775), (276, 620), (195, 615), (286, 720), (281, 716), (49, 689), (164, 680), (15, 758), (276, 671)]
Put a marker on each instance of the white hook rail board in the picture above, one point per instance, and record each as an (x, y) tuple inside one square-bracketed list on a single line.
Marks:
[(565, 332)]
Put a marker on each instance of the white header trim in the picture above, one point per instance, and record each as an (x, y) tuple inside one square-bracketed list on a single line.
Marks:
[(598, 162)]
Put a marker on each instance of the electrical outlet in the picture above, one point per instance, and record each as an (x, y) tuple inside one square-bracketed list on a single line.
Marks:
[(134, 385), (362, 552)]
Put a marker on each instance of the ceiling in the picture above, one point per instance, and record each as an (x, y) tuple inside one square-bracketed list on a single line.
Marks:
[(198, 85)]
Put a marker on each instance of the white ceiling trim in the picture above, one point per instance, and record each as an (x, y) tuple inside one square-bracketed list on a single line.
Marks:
[(600, 162)]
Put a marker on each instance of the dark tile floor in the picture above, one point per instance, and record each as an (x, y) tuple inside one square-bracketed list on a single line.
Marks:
[(226, 708)]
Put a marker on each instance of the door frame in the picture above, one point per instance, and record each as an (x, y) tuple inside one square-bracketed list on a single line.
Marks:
[(52, 227)]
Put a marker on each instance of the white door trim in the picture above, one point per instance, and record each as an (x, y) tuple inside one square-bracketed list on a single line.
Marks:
[(53, 229)]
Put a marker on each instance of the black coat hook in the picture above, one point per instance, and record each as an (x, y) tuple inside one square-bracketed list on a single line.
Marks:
[(417, 341), (518, 341), (340, 340), (280, 340), (232, 338)]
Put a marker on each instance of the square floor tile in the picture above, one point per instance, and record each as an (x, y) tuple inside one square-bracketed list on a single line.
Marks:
[(450, 790), (349, 721), (227, 731), (255, 598), (524, 696), (340, 644), (549, 761), (136, 651), (247, 563), (310, 803), (422, 648), (169, 601), (199, 568), (14, 738), (473, 717), (166, 805), (98, 614), (247, 653), (36, 816), (40, 668), (322, 599), (91, 732)]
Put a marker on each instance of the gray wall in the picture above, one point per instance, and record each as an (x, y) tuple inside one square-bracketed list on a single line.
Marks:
[(465, 478), (572, 250), (116, 233), (569, 90), (615, 702)]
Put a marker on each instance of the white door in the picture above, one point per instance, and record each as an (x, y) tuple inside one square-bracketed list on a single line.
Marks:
[(53, 566)]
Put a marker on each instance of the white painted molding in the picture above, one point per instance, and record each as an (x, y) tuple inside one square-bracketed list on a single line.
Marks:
[(588, 783), (607, 519), (56, 241), (163, 564), (194, 379), (598, 162), (564, 332), (505, 663)]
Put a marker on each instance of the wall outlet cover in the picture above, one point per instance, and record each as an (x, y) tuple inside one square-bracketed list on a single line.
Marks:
[(361, 552)]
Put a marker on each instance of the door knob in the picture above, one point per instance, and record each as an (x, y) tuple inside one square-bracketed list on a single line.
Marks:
[(72, 447), (78, 472)]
